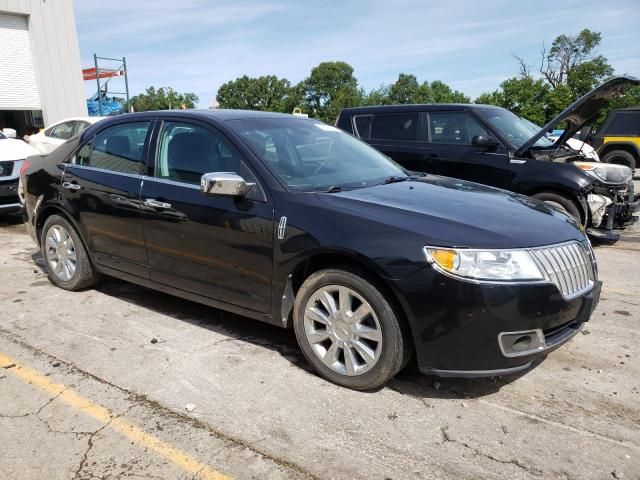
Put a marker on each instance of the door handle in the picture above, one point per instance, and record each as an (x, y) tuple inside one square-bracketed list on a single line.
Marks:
[(152, 202), (71, 186)]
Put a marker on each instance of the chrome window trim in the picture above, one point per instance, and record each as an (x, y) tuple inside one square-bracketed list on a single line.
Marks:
[(545, 281), (354, 124), (102, 170)]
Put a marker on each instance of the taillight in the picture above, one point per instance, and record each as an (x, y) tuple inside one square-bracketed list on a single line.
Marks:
[(23, 168)]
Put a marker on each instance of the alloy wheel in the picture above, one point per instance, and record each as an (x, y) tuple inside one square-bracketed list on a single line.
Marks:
[(60, 253), (343, 330)]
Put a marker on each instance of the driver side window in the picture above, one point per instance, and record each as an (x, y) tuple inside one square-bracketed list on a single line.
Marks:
[(187, 151)]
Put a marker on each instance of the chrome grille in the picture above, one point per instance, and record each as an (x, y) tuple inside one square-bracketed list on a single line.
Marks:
[(570, 267)]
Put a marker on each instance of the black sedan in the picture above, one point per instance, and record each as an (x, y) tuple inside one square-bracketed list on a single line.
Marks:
[(293, 222)]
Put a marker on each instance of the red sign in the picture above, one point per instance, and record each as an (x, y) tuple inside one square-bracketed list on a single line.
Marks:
[(90, 73)]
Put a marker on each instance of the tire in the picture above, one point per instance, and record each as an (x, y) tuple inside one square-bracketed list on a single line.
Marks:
[(387, 342), (560, 201), (620, 157), (65, 256)]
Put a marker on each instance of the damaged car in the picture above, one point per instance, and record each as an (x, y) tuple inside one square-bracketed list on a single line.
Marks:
[(493, 146)]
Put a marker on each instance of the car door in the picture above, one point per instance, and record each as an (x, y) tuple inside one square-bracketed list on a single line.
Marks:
[(452, 151), (101, 185), (220, 247)]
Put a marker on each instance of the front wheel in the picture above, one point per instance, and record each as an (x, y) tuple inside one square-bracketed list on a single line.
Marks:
[(348, 330), (65, 256), (561, 202)]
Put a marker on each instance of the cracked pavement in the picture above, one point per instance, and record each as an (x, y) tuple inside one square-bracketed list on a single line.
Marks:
[(260, 413)]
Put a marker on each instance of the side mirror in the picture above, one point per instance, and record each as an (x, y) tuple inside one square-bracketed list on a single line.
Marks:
[(485, 141), (225, 183), (9, 132)]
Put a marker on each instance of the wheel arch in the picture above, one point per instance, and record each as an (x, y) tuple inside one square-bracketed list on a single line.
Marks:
[(343, 261), (629, 147), (581, 206)]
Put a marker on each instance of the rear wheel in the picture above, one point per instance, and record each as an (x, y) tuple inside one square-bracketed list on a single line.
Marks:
[(348, 330), (560, 201), (620, 157), (65, 256)]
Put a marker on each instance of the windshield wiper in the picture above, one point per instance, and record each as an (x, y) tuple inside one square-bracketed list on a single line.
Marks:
[(394, 179)]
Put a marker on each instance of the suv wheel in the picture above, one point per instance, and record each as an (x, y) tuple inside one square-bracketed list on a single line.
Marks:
[(348, 331), (65, 256), (620, 157), (561, 202)]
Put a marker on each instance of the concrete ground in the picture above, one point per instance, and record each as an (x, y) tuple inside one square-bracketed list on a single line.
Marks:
[(123, 382)]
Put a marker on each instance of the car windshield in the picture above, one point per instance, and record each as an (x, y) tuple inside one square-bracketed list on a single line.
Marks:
[(2, 136), (307, 155), (515, 129)]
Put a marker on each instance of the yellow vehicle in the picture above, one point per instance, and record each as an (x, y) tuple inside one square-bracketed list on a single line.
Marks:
[(618, 140)]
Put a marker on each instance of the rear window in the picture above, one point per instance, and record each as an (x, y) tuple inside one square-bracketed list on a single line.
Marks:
[(363, 125), (399, 126), (624, 124)]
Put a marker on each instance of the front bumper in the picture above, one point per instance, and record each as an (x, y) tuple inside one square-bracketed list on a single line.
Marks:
[(457, 327), (625, 203), (9, 201)]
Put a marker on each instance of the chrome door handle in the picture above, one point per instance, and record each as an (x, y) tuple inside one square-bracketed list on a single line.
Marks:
[(152, 202), (71, 186)]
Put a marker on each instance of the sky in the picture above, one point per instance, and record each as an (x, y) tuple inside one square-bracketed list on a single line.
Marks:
[(197, 45)]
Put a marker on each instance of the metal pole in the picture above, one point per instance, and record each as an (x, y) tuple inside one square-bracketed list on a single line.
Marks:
[(126, 81), (95, 61)]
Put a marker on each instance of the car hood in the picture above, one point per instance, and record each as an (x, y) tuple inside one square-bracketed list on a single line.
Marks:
[(450, 212), (582, 111), (12, 149)]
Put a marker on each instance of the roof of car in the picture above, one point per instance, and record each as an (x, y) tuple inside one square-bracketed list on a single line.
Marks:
[(418, 107), (627, 109), (220, 114)]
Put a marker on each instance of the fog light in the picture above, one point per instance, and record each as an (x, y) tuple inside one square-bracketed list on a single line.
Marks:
[(516, 344)]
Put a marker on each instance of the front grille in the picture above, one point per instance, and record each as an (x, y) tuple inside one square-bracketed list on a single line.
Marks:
[(570, 267), (6, 169)]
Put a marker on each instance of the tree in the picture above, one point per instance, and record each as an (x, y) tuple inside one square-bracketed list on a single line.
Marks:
[(567, 71), (329, 88), (440, 92), (164, 98), (571, 61), (405, 90), (267, 93)]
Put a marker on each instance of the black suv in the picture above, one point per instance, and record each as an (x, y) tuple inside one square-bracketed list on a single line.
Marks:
[(491, 145), (294, 222), (618, 139)]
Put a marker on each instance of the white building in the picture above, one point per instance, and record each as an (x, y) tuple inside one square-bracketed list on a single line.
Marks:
[(40, 73)]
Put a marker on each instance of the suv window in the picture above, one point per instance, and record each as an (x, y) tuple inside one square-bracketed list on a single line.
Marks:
[(187, 151), (397, 126), (118, 148), (453, 128), (64, 131), (363, 125), (624, 124)]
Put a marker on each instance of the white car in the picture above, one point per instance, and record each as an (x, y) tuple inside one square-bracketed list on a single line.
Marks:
[(55, 135), (12, 155)]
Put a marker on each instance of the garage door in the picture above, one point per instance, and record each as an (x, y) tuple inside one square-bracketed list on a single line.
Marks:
[(18, 83)]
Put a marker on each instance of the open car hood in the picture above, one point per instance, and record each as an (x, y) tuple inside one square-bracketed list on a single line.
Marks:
[(582, 111)]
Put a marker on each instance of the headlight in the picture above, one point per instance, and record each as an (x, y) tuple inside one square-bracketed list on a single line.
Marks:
[(606, 172), (487, 265)]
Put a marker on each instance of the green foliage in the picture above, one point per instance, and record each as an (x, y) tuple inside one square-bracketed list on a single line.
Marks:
[(407, 90), (329, 88), (163, 98), (268, 93), (568, 70)]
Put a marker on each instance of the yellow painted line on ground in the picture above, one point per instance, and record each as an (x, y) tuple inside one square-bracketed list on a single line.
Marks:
[(108, 418)]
